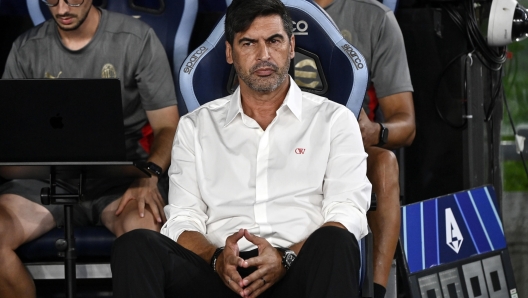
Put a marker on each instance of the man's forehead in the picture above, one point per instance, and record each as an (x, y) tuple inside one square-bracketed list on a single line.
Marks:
[(263, 27)]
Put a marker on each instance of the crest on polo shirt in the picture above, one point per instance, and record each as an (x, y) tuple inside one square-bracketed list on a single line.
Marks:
[(108, 71), (48, 75), (346, 35)]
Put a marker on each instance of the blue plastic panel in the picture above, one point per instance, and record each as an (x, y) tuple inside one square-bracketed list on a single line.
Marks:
[(451, 228)]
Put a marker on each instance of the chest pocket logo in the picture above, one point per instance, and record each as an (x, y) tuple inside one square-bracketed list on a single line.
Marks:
[(108, 71), (48, 75), (300, 150)]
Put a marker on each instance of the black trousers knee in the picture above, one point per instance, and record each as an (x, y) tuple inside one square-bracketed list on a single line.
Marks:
[(148, 264)]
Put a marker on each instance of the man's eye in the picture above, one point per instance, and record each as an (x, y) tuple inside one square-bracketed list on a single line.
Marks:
[(275, 42)]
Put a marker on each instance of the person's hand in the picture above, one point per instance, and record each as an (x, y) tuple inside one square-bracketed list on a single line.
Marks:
[(269, 267), (145, 192), (369, 130), (228, 261)]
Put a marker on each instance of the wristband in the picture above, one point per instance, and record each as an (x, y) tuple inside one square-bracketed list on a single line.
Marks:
[(154, 169), (215, 256), (383, 135)]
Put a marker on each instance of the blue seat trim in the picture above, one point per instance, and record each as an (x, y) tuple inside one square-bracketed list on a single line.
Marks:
[(183, 34), (191, 64), (392, 4), (361, 75), (35, 12)]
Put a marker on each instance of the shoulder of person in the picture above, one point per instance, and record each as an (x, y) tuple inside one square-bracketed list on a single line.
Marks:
[(122, 23), (210, 107), (369, 6), (35, 34), (323, 103), (316, 99)]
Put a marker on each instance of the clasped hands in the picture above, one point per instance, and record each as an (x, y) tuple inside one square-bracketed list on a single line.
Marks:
[(268, 263)]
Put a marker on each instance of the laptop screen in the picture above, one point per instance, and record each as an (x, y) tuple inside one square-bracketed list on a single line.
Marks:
[(61, 120)]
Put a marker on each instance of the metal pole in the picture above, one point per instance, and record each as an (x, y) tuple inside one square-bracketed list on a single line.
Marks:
[(70, 254)]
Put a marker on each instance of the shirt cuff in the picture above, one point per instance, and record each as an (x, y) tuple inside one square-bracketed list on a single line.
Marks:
[(175, 226), (349, 216)]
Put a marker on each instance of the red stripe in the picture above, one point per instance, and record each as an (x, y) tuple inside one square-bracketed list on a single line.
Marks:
[(373, 102), (148, 137)]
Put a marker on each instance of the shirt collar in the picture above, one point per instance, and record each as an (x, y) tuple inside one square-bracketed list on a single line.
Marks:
[(293, 101), (235, 107)]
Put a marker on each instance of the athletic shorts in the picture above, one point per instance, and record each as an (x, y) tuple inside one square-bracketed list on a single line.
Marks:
[(97, 194)]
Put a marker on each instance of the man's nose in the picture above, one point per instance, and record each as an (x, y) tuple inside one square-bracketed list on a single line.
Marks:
[(264, 53), (62, 7)]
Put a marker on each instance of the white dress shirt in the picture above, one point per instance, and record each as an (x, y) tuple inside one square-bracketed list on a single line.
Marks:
[(307, 168)]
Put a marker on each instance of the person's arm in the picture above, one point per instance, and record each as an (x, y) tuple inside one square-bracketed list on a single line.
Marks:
[(187, 211), (346, 189), (398, 112), (391, 79), (158, 99), (164, 123), (13, 68), (145, 190)]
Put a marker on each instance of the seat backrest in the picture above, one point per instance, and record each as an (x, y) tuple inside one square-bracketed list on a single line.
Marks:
[(341, 76), (172, 20)]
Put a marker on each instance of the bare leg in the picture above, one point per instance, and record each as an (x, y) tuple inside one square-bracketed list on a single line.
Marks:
[(382, 171), (20, 221), (129, 219)]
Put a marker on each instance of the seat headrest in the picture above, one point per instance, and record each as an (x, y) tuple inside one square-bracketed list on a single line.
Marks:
[(205, 74)]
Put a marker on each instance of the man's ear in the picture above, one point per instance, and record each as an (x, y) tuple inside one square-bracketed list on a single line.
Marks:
[(229, 53), (292, 46)]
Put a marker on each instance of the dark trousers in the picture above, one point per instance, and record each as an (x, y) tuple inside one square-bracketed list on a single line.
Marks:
[(148, 264)]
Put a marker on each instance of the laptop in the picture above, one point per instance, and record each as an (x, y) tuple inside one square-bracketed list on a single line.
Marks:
[(61, 120)]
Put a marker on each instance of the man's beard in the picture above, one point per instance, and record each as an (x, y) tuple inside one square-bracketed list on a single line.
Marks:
[(81, 21), (264, 84)]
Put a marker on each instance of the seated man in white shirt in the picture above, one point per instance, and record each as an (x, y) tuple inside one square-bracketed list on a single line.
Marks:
[(268, 189)]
